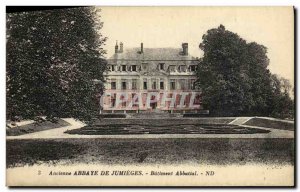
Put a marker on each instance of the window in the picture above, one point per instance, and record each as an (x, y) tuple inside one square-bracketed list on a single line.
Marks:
[(172, 84), (161, 66), (123, 85), (134, 84), (113, 85), (161, 84), (123, 67), (113, 100), (112, 68), (182, 84), (124, 102), (145, 84), (133, 68), (134, 100), (192, 84), (193, 67), (154, 85)]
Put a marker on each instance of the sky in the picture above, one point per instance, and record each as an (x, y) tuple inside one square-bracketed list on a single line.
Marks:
[(272, 27)]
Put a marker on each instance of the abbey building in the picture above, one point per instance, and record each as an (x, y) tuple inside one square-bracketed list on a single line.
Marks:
[(142, 77)]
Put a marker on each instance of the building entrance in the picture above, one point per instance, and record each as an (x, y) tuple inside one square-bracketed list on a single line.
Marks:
[(154, 104)]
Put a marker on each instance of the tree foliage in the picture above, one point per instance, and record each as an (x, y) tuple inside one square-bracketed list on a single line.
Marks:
[(283, 105), (234, 77), (52, 59)]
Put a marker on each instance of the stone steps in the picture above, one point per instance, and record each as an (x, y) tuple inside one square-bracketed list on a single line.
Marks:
[(153, 115), (163, 121)]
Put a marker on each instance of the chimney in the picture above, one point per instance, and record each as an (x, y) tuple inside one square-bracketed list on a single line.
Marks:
[(121, 48), (185, 48), (116, 47), (142, 48)]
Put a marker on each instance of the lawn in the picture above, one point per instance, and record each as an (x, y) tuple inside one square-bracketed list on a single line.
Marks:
[(164, 126), (209, 151), (35, 127), (271, 124), (167, 121), (179, 128)]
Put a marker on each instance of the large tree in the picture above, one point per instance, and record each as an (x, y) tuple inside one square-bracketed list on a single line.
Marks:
[(222, 72), (233, 75), (53, 58)]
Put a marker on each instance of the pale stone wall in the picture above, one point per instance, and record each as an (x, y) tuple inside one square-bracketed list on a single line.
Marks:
[(127, 77)]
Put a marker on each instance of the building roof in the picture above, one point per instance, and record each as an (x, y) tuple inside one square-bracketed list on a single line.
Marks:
[(170, 56)]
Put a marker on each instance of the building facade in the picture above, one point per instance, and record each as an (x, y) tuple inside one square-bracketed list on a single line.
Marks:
[(141, 78)]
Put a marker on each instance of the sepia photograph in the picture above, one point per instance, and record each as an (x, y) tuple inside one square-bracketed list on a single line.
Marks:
[(163, 96)]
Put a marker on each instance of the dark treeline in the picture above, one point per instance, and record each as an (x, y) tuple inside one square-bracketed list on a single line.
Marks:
[(235, 80), (53, 58)]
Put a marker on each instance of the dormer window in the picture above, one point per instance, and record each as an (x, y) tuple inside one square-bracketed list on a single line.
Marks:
[(161, 66), (193, 67), (123, 67), (133, 68)]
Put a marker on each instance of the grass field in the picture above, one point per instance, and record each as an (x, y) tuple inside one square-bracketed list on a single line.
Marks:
[(150, 151), (180, 128), (34, 127)]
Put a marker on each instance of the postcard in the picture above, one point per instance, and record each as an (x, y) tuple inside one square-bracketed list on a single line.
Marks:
[(150, 96)]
